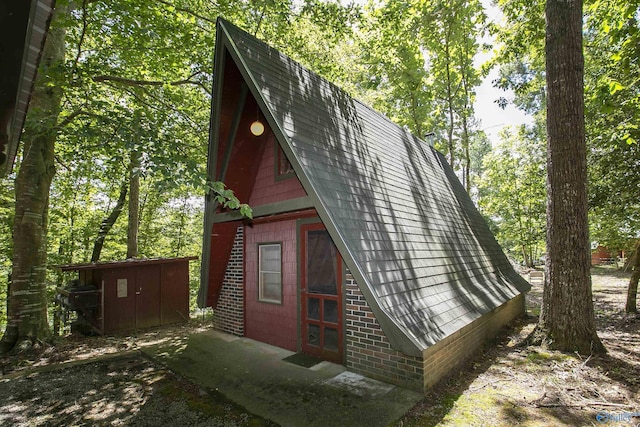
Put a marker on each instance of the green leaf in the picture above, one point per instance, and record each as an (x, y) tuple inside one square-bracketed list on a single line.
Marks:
[(246, 211), (615, 87)]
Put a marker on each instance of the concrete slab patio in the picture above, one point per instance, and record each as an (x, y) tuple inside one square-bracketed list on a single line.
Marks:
[(254, 375)]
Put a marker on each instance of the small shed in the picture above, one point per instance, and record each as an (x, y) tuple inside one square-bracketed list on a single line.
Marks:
[(602, 255), (124, 295)]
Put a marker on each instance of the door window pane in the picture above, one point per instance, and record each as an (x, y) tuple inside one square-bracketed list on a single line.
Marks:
[(313, 309), (331, 339), (270, 273), (321, 263), (330, 311), (313, 337)]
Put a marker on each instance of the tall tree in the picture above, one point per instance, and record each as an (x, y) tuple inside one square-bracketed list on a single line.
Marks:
[(134, 203), (631, 305), (27, 323), (612, 102), (449, 33), (417, 66), (567, 317)]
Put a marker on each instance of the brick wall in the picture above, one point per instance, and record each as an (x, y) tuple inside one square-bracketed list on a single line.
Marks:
[(368, 350), (229, 314), (454, 350)]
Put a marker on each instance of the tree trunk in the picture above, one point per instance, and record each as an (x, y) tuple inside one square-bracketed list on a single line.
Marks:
[(451, 123), (134, 204), (467, 155), (466, 114), (27, 323), (567, 317), (632, 291), (449, 86), (527, 257), (106, 225)]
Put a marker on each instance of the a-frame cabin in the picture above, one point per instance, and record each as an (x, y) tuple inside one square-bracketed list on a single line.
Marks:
[(364, 248)]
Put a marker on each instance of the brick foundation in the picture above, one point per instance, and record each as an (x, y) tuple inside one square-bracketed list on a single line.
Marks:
[(456, 349), (229, 314), (368, 350)]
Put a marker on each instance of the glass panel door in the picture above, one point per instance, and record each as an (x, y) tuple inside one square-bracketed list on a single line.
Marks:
[(321, 294)]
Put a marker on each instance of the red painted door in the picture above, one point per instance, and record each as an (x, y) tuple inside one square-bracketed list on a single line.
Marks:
[(119, 300), (147, 296), (322, 334)]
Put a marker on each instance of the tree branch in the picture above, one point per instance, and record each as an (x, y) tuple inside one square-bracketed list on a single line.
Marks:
[(133, 82), (189, 11), (63, 164), (70, 118), (108, 222), (162, 103), (83, 33)]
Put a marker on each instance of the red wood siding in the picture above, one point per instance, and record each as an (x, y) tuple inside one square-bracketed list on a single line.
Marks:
[(222, 237), (247, 149), (266, 188), (602, 255), (274, 324)]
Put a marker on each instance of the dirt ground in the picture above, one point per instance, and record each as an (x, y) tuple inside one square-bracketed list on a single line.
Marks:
[(513, 384), (99, 381), (107, 381)]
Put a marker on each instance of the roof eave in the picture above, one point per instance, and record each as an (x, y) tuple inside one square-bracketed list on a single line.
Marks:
[(212, 150), (40, 13)]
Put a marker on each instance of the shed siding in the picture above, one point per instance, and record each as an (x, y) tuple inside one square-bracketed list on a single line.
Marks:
[(368, 349), (228, 315), (269, 190), (602, 255), (275, 324)]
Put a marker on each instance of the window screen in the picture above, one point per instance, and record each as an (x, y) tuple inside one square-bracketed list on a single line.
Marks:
[(284, 167), (270, 273), (321, 263)]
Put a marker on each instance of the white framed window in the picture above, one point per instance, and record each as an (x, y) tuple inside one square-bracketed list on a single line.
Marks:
[(270, 272)]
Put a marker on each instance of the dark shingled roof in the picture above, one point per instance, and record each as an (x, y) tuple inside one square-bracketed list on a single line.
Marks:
[(421, 253)]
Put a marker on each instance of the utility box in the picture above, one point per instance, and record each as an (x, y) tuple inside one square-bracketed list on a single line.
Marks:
[(131, 294)]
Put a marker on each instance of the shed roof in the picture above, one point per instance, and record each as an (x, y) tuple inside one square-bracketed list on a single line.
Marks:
[(131, 262), (419, 250)]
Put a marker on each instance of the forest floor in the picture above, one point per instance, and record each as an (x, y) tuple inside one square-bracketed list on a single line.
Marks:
[(512, 383), (107, 381), (100, 381)]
